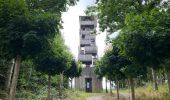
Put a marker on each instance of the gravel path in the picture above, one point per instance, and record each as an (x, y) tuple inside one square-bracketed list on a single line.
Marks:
[(100, 97)]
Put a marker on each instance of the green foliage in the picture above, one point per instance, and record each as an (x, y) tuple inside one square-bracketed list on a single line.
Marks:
[(33, 84), (74, 70), (29, 79), (14, 24), (3, 73), (110, 66), (23, 33), (27, 30), (55, 6), (146, 39), (54, 59), (100, 69), (91, 11), (116, 66), (112, 13)]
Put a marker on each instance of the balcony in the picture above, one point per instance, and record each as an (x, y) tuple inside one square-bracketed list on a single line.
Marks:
[(85, 42), (86, 32), (88, 23), (91, 49), (90, 36), (85, 58)]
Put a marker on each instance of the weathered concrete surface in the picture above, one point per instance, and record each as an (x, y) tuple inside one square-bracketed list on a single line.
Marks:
[(88, 72)]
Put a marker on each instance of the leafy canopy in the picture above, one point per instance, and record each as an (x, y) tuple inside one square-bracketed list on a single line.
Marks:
[(54, 59), (112, 13)]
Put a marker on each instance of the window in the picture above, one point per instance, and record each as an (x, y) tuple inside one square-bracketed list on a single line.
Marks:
[(82, 50), (83, 36)]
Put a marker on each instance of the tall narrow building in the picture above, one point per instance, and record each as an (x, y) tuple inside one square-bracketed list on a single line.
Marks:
[(88, 80)]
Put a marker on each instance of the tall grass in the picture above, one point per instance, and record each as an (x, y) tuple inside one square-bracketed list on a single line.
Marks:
[(148, 93)]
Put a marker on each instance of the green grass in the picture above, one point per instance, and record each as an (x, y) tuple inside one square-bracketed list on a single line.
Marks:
[(142, 93), (80, 95), (148, 93)]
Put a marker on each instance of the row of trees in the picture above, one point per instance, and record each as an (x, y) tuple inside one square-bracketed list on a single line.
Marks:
[(30, 30), (143, 41)]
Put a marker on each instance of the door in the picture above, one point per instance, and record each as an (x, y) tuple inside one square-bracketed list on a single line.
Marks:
[(88, 84)]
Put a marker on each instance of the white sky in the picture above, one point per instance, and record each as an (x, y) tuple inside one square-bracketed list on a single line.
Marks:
[(71, 28)]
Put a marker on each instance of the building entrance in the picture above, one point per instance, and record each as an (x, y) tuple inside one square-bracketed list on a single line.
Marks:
[(88, 84)]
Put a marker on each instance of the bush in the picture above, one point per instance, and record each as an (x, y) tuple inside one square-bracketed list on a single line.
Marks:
[(25, 95), (3, 94)]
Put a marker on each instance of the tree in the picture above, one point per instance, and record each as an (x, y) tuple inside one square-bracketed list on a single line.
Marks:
[(128, 66), (54, 6), (13, 28), (25, 27), (74, 70), (100, 70), (115, 65), (112, 13), (109, 66), (18, 37), (53, 60), (145, 38)]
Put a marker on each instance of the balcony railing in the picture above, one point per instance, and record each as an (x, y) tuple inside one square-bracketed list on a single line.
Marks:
[(86, 32), (90, 36), (85, 42), (91, 49), (88, 23), (85, 58)]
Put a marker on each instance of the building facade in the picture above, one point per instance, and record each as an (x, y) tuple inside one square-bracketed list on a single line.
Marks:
[(88, 80)]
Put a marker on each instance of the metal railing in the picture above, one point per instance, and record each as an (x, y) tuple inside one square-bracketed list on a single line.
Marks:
[(85, 42), (91, 49), (90, 36), (85, 58), (88, 23)]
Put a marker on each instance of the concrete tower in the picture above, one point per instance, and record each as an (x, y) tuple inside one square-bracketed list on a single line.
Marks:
[(88, 81)]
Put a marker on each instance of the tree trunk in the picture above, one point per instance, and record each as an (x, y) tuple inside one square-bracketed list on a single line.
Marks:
[(163, 76), (49, 88), (15, 78), (168, 77), (29, 78), (71, 82), (154, 79), (106, 86), (110, 86), (132, 88), (61, 86), (117, 89), (9, 75)]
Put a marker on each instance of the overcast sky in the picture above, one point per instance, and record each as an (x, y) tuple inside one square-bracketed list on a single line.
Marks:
[(71, 27)]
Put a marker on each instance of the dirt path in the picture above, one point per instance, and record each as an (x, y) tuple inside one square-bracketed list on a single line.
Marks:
[(109, 97), (100, 97)]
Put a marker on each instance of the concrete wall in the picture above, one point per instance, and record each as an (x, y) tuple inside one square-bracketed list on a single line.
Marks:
[(88, 72)]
